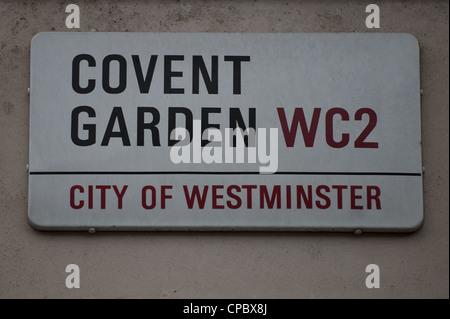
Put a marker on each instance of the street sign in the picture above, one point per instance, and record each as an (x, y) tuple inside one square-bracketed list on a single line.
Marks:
[(206, 131)]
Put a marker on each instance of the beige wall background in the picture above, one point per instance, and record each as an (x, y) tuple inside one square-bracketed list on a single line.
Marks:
[(223, 264)]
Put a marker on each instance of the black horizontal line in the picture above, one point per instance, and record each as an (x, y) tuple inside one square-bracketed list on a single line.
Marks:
[(221, 173)]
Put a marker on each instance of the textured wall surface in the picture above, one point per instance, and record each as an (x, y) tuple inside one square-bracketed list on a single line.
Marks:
[(214, 264)]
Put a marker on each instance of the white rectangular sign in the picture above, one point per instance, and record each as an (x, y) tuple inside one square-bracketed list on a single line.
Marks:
[(204, 131)]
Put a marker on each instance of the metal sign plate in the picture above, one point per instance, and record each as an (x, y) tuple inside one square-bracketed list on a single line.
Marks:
[(336, 117)]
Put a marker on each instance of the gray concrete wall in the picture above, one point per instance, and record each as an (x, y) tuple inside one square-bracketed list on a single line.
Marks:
[(255, 265)]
